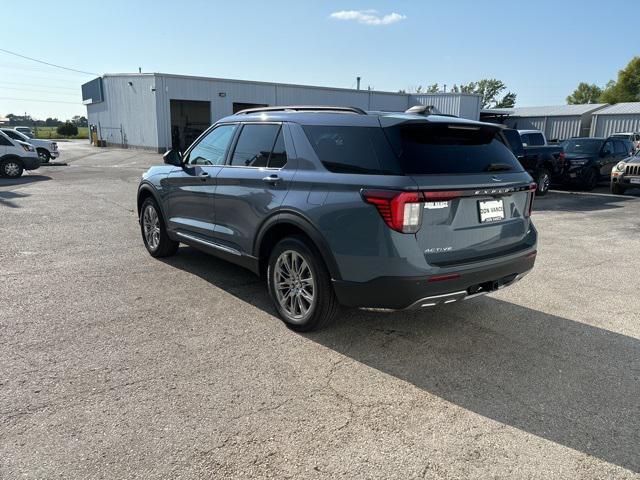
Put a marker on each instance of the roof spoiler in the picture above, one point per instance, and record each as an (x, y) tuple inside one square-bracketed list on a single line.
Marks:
[(303, 108)]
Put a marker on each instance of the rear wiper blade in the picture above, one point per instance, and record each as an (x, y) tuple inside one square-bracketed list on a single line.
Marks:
[(498, 167)]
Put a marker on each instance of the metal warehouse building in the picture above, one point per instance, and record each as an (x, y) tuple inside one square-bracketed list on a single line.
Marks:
[(159, 111), (618, 118), (557, 122)]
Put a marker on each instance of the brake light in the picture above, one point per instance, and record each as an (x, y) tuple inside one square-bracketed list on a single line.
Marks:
[(401, 211), (532, 194), (561, 158), (442, 195), (441, 278)]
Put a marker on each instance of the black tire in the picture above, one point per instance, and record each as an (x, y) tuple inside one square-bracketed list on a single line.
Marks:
[(322, 310), (44, 155), (544, 182), (158, 244), (590, 180), (617, 189), (11, 168)]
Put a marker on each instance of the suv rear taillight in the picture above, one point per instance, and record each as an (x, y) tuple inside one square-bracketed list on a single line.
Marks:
[(401, 211), (532, 195)]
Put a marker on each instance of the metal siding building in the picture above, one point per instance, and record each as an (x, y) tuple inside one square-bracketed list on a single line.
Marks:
[(557, 122), (157, 110), (618, 118)]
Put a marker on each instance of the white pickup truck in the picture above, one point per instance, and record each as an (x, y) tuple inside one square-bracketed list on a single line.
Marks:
[(46, 148)]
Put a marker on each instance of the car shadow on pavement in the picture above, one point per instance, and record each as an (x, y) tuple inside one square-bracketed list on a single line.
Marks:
[(6, 199), (23, 180), (562, 380), (570, 201)]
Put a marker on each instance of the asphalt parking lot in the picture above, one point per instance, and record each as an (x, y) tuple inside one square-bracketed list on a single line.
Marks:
[(117, 365)]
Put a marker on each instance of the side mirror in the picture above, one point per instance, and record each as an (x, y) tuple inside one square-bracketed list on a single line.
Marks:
[(173, 157)]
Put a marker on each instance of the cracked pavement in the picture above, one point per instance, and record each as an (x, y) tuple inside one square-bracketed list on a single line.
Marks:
[(117, 365)]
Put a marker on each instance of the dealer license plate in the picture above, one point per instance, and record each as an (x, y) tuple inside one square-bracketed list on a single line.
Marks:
[(634, 180), (491, 210)]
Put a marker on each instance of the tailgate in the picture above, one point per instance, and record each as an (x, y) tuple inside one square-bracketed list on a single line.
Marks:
[(470, 224)]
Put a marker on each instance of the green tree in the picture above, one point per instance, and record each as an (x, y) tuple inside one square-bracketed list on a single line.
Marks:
[(585, 93), (490, 91), (67, 129), (627, 87)]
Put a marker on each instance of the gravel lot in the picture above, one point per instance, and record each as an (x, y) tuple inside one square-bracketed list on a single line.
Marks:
[(117, 365)]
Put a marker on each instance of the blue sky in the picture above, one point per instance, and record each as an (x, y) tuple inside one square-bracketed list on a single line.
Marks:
[(540, 49)]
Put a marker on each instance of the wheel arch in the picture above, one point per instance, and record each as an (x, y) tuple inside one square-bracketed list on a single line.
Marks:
[(145, 191), (11, 156), (283, 224)]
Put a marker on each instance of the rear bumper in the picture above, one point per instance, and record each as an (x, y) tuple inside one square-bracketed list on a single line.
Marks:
[(398, 293)]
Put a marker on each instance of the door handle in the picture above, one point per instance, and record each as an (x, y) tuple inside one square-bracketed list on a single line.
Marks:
[(272, 179), (204, 176)]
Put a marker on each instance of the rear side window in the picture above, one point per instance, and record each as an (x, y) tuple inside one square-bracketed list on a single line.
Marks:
[(256, 144), (620, 147), (536, 139), (352, 149), (432, 149)]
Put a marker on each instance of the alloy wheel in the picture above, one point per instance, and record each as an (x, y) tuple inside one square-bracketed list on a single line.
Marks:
[(294, 285), (151, 226), (11, 169), (545, 182)]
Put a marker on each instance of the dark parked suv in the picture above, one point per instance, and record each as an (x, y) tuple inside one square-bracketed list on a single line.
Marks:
[(334, 206), (590, 160)]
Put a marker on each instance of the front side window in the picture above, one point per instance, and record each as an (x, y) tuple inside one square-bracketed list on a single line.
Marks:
[(4, 141), (607, 148), (256, 144), (211, 149), (621, 148)]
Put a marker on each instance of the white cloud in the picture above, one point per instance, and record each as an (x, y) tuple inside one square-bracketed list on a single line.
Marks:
[(367, 17)]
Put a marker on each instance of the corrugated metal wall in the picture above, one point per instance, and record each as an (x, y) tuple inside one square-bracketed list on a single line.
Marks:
[(143, 108), (561, 128), (605, 125), (125, 116)]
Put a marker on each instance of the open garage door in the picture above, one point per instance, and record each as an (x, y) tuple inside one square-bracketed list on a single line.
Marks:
[(189, 119)]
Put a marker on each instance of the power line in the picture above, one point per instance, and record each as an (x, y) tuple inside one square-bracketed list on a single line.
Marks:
[(36, 85), (47, 63), (37, 100), (28, 89)]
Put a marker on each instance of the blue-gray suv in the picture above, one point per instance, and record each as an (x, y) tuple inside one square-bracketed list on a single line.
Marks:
[(338, 206)]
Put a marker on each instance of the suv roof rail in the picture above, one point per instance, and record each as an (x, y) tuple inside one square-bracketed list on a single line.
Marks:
[(303, 108)]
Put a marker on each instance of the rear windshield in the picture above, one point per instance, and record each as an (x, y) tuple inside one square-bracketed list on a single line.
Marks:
[(582, 145), (411, 149), (431, 149)]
